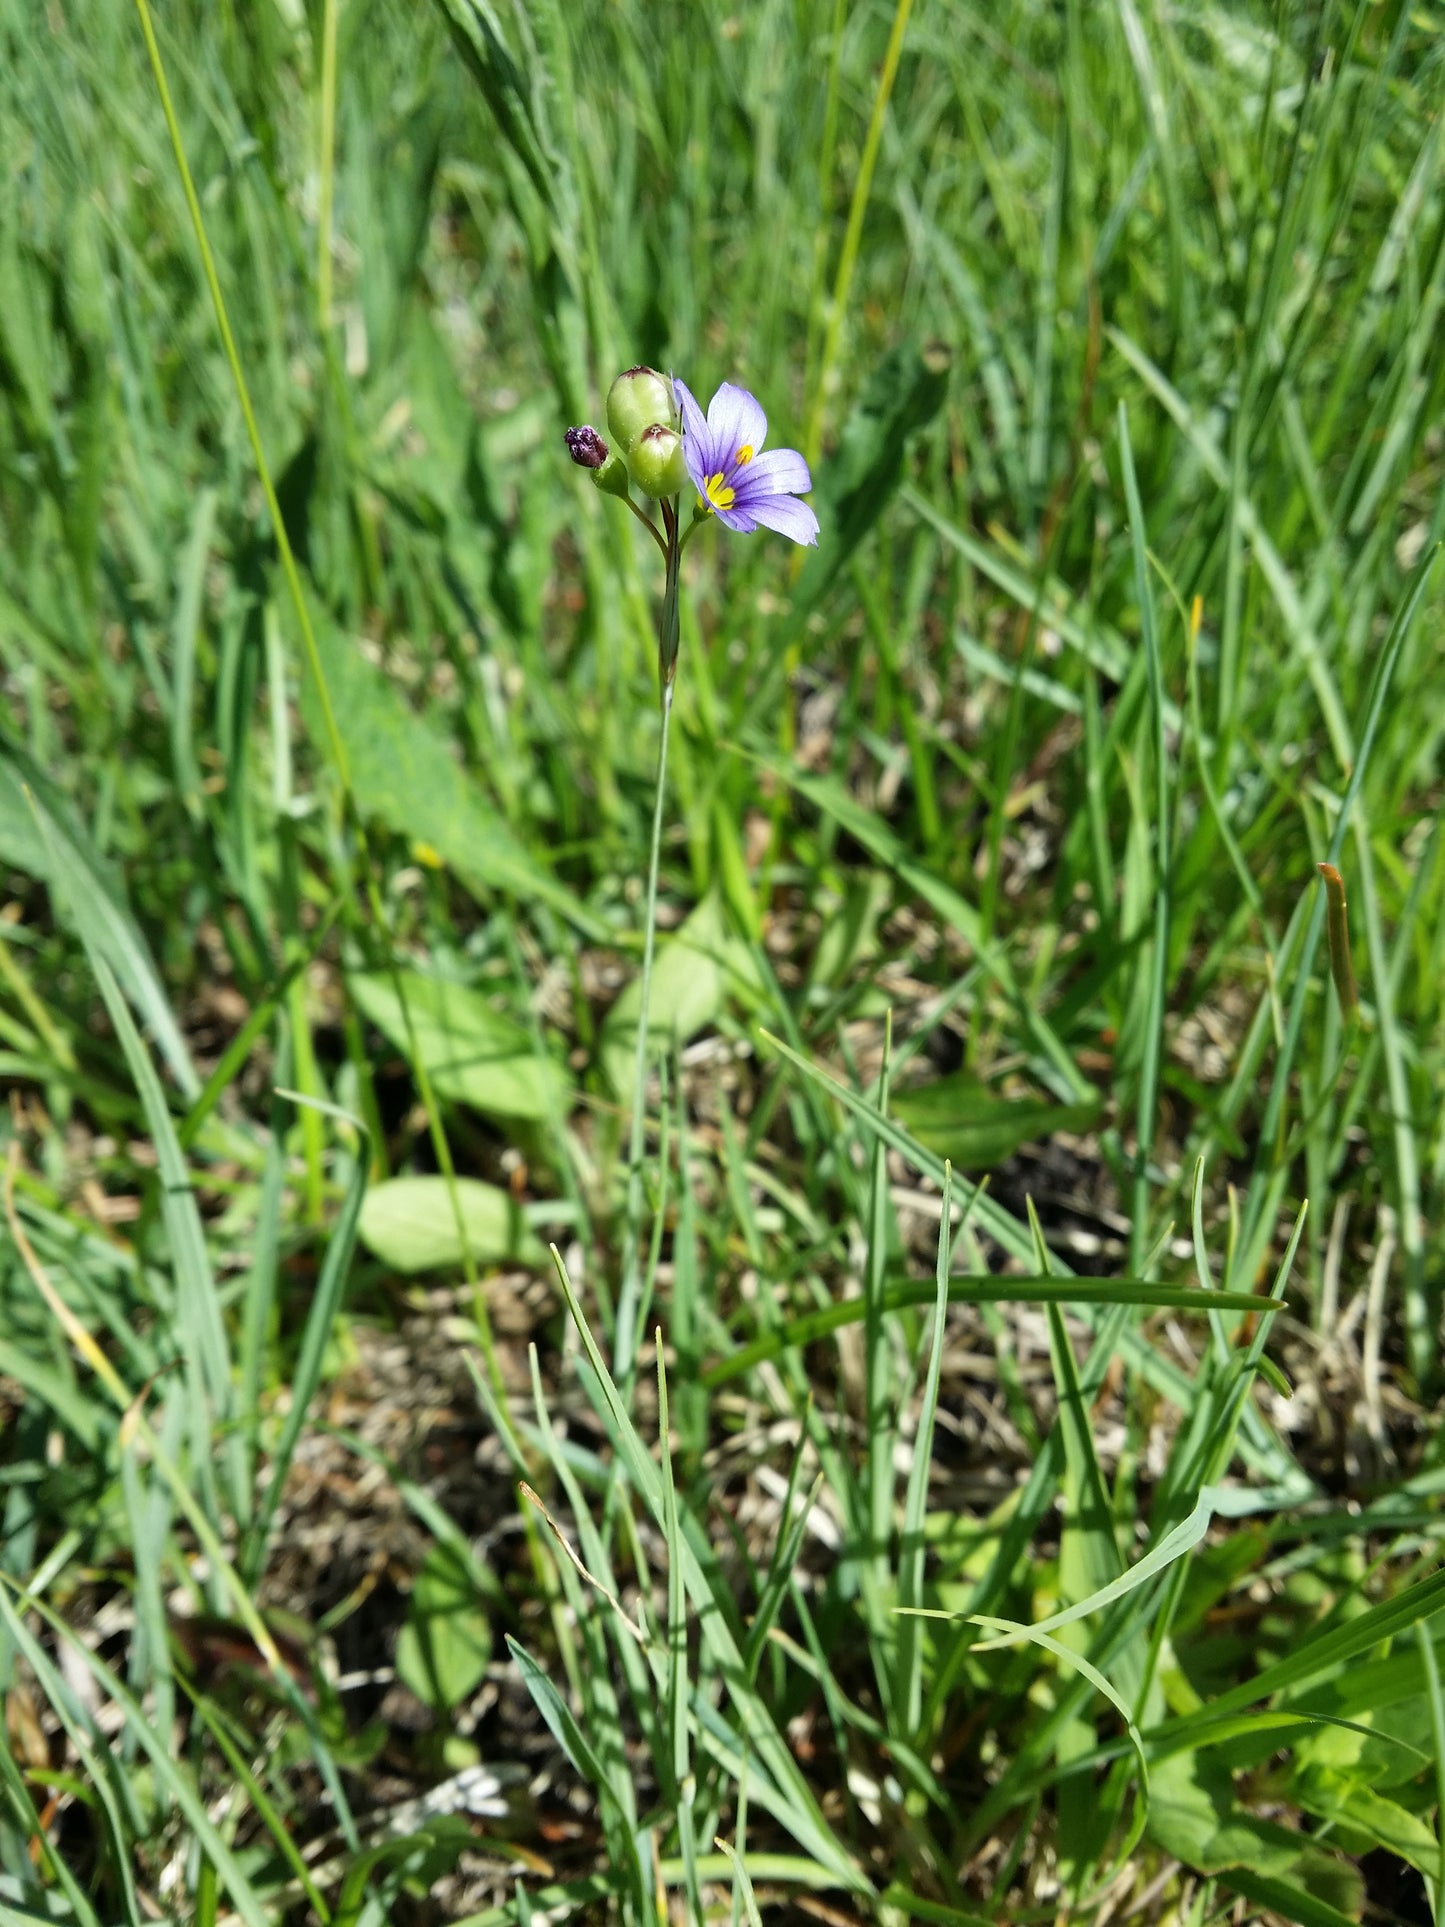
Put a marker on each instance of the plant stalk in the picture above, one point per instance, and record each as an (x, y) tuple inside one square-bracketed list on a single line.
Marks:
[(629, 1297)]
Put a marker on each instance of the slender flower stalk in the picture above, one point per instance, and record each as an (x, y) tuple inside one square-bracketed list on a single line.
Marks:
[(664, 438), (629, 1297), (652, 529)]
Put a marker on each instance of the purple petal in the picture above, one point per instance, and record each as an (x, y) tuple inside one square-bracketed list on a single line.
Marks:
[(785, 514), (698, 449), (780, 471), (740, 520), (694, 422), (695, 456), (735, 420)]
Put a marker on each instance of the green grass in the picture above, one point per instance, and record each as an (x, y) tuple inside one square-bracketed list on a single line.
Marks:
[(1032, 1508)]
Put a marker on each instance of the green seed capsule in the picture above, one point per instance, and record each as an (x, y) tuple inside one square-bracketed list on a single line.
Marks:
[(656, 462), (639, 399)]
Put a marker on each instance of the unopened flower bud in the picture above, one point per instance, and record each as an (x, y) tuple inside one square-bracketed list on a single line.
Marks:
[(589, 451), (637, 400), (586, 447), (656, 462)]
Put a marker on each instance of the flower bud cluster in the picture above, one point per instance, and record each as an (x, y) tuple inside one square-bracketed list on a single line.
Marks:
[(643, 422)]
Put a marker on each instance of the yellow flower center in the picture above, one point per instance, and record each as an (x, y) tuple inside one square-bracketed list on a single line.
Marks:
[(716, 494)]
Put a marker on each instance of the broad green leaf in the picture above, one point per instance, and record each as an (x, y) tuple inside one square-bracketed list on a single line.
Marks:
[(473, 1053), (445, 1644), (1325, 1653), (691, 975), (409, 1224), (1359, 1808), (1194, 1815), (1287, 1900), (961, 1119), (1347, 1768), (406, 771)]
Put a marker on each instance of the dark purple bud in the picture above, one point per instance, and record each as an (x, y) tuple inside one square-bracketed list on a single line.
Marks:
[(586, 447)]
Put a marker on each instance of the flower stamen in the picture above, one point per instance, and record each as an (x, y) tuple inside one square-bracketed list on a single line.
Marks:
[(719, 495), (743, 456)]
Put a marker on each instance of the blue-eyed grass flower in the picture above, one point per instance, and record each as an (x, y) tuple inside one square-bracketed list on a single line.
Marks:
[(743, 485)]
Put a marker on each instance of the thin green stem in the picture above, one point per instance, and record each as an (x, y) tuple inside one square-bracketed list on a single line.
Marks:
[(647, 522), (327, 158), (1149, 1069), (699, 516), (670, 627), (629, 1298)]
